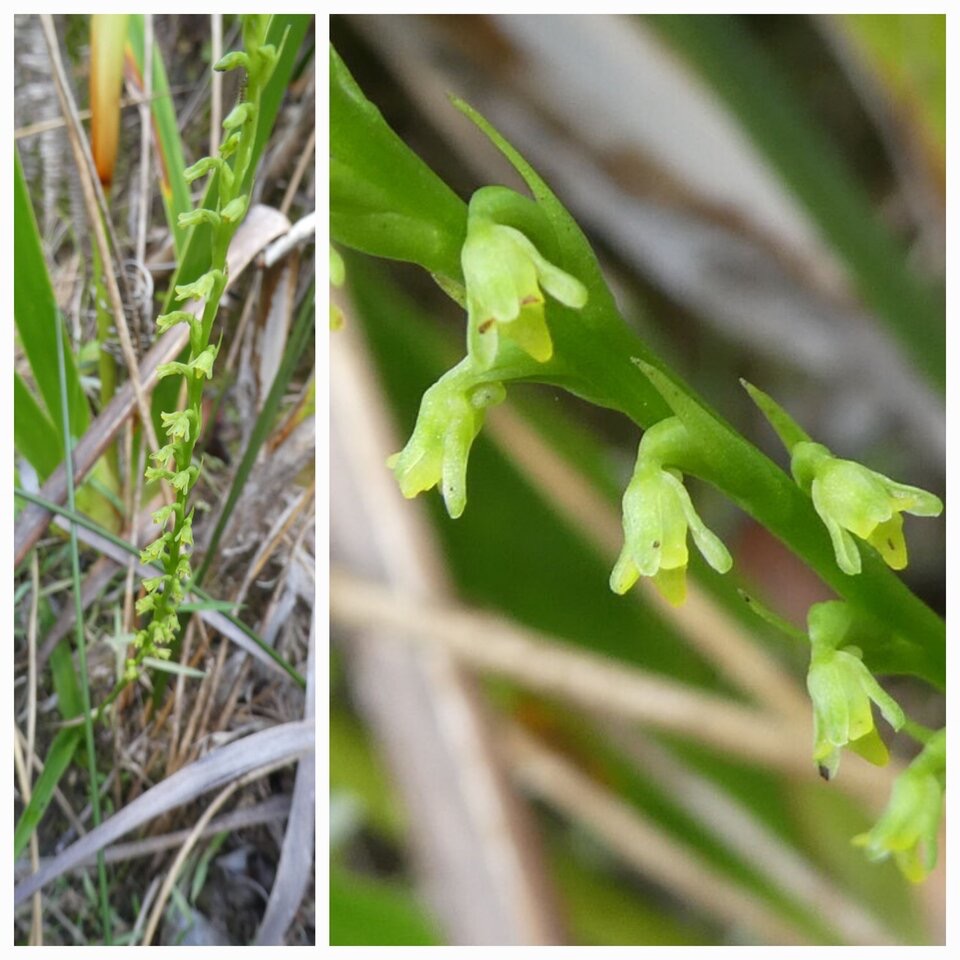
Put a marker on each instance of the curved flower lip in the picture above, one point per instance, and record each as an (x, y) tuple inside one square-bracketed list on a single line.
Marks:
[(657, 512), (505, 276), (852, 499), (451, 415)]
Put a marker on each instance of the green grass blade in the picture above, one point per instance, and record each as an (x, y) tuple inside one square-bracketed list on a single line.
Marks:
[(34, 435), (781, 127), (292, 354), (88, 524), (173, 188), (36, 315), (60, 335), (55, 765)]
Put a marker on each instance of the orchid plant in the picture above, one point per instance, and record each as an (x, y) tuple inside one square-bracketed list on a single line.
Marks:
[(538, 309)]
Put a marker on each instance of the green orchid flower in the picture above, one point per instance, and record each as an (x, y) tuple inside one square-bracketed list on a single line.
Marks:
[(657, 512), (842, 690), (908, 827), (451, 415), (504, 273), (849, 498)]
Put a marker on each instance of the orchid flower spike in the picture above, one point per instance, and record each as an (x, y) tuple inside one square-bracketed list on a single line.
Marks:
[(842, 690), (908, 827), (848, 497), (657, 511), (451, 415), (504, 273)]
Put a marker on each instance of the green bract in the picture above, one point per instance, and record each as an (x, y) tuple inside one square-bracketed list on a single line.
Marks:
[(657, 511), (842, 690), (504, 273), (909, 825), (451, 415)]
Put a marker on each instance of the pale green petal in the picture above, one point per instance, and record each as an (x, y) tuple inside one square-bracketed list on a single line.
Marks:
[(844, 546), (625, 572), (913, 500), (709, 544)]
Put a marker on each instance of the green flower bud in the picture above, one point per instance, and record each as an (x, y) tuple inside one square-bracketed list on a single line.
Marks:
[(908, 827), (201, 215), (504, 273), (203, 365), (842, 689), (451, 415), (230, 61), (229, 147), (233, 212), (657, 511), (241, 114), (172, 369), (202, 287), (167, 320)]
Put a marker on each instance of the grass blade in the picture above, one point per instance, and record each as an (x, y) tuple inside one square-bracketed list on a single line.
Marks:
[(775, 118), (78, 623), (55, 765), (166, 134), (36, 315), (34, 435)]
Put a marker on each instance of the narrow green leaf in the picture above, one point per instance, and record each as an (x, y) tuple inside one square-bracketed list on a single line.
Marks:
[(55, 765), (36, 315), (173, 187), (34, 435)]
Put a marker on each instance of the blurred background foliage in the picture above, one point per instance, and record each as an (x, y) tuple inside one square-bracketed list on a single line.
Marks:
[(766, 197)]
